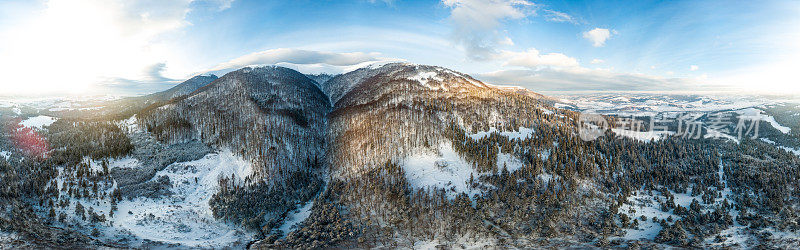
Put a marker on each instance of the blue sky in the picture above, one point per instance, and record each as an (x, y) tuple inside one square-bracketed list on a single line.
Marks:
[(90, 46)]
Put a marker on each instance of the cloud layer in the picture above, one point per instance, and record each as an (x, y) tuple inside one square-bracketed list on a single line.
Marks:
[(582, 79), (307, 61)]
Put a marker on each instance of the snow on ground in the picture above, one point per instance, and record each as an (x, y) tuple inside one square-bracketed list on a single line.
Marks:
[(183, 218), (751, 113), (735, 234), (442, 169), (186, 218), (546, 111), (647, 204), (461, 243), (130, 125), (508, 161), (424, 76), (5, 154), (294, 218), (644, 136), (521, 133), (776, 125), (792, 150), (644, 204), (38, 121), (644, 104), (713, 133)]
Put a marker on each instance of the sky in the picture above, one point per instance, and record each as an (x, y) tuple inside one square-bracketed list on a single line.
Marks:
[(82, 47)]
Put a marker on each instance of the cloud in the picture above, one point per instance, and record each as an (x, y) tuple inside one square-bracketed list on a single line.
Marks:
[(154, 73), (476, 23), (533, 59), (694, 68), (583, 79), (151, 79), (559, 17), (597, 61), (597, 36), (307, 61)]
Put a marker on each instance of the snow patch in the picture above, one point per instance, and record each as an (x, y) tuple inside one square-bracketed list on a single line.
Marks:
[(294, 218), (131, 124), (713, 133), (38, 121), (186, 218), (5, 154), (442, 169), (424, 77), (753, 113), (508, 161), (791, 150), (643, 136), (521, 133), (183, 218)]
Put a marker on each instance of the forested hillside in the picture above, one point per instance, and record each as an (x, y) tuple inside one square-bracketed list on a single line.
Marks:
[(394, 155)]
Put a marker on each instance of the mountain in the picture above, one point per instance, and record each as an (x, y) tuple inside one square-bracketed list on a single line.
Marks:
[(401, 155), (271, 116), (418, 104), (184, 88), (320, 78), (124, 108)]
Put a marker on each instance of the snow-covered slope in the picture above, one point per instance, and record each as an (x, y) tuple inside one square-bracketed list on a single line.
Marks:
[(183, 217)]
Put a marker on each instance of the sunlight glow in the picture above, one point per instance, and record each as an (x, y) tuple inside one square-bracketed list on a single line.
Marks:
[(70, 45)]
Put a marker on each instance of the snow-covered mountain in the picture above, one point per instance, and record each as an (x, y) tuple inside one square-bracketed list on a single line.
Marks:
[(184, 88), (395, 155)]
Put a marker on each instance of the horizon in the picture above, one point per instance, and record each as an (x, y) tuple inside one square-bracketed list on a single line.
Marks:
[(133, 48)]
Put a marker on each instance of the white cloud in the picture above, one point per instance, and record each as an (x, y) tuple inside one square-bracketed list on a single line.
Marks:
[(476, 22), (533, 59), (306, 61), (597, 36), (652, 67), (693, 68), (597, 61), (560, 17)]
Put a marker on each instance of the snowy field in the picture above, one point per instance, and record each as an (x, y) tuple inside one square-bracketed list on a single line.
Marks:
[(38, 121), (643, 136), (294, 218), (442, 169), (647, 204), (184, 217), (521, 133)]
